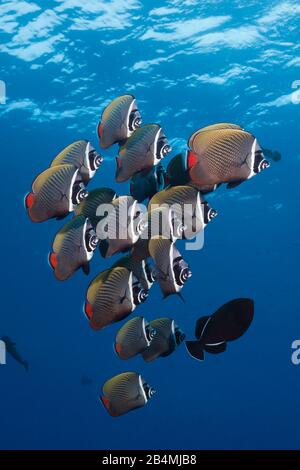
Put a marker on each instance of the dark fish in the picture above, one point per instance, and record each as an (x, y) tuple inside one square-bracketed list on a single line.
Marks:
[(228, 323), (55, 193), (167, 338), (119, 120), (125, 392), (82, 155), (119, 230), (112, 296), (145, 185), (272, 154), (13, 352), (177, 170), (134, 337), (95, 199), (186, 202), (73, 248), (145, 148), (223, 156), (172, 271)]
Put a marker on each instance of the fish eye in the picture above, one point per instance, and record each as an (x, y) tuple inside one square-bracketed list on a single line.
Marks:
[(78, 193), (212, 213), (141, 226), (179, 336), (149, 391), (81, 195), (95, 160), (209, 213), (91, 240), (162, 148), (166, 149), (139, 294), (264, 164), (149, 273), (135, 120), (181, 274), (150, 333)]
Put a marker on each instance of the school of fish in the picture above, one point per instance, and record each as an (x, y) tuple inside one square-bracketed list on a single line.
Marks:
[(218, 154)]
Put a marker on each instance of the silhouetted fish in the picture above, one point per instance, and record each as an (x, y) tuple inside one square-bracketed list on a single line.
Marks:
[(13, 352), (228, 323)]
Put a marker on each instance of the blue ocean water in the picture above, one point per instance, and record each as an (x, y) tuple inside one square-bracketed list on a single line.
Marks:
[(189, 64)]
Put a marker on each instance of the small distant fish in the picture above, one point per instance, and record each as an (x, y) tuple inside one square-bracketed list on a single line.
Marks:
[(112, 296), (144, 185), (119, 230), (168, 336), (228, 323), (272, 154), (223, 155), (14, 353), (82, 155), (85, 380), (145, 148), (73, 248), (134, 337), (125, 392), (172, 271), (96, 198), (119, 120), (55, 193)]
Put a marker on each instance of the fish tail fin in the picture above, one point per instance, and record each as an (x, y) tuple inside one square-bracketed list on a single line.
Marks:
[(195, 349)]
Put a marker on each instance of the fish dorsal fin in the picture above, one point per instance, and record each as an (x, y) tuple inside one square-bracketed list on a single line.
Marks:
[(215, 348), (200, 326)]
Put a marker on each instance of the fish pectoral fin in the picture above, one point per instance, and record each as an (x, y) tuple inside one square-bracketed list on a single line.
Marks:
[(195, 349), (234, 184), (216, 348), (86, 268)]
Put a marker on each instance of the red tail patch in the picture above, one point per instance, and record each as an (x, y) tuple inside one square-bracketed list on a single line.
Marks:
[(88, 310), (105, 402), (192, 160), (118, 348), (53, 260), (100, 131), (29, 200)]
